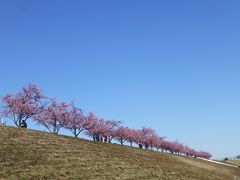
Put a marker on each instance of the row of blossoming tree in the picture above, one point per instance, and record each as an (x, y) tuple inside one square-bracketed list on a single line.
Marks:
[(30, 103)]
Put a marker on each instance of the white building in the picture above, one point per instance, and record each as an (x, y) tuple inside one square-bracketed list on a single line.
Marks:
[(1, 121)]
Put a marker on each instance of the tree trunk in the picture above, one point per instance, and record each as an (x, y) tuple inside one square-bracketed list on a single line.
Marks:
[(75, 132), (19, 122)]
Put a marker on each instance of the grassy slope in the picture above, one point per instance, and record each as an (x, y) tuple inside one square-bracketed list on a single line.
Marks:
[(38, 155), (233, 162), (237, 161)]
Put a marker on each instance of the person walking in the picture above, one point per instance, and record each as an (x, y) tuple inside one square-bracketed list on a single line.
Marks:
[(23, 124)]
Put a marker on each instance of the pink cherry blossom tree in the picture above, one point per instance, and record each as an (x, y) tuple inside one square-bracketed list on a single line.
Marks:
[(186, 150), (177, 147), (100, 128), (28, 103), (95, 125), (54, 116), (156, 142), (132, 136), (138, 137), (203, 154), (108, 129), (125, 134), (151, 139), (23, 105), (122, 134), (192, 152), (76, 121), (166, 146), (207, 155), (144, 136)]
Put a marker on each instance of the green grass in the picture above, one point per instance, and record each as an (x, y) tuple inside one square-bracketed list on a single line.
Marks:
[(29, 154)]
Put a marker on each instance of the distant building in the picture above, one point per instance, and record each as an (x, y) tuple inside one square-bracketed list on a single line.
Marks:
[(1, 121)]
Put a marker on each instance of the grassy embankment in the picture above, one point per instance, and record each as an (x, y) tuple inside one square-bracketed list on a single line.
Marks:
[(30, 154)]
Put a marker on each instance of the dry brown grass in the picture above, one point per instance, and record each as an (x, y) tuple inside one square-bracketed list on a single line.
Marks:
[(29, 154), (233, 162), (237, 161)]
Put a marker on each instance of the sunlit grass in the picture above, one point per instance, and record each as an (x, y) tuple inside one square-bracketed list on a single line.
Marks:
[(29, 154)]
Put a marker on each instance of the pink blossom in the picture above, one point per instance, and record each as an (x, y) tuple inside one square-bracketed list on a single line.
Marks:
[(54, 116), (76, 121), (22, 105)]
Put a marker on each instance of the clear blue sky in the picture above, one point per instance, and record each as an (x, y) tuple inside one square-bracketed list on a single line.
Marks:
[(170, 65)]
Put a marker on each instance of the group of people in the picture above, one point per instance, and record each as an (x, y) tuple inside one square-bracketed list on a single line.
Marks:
[(99, 138)]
